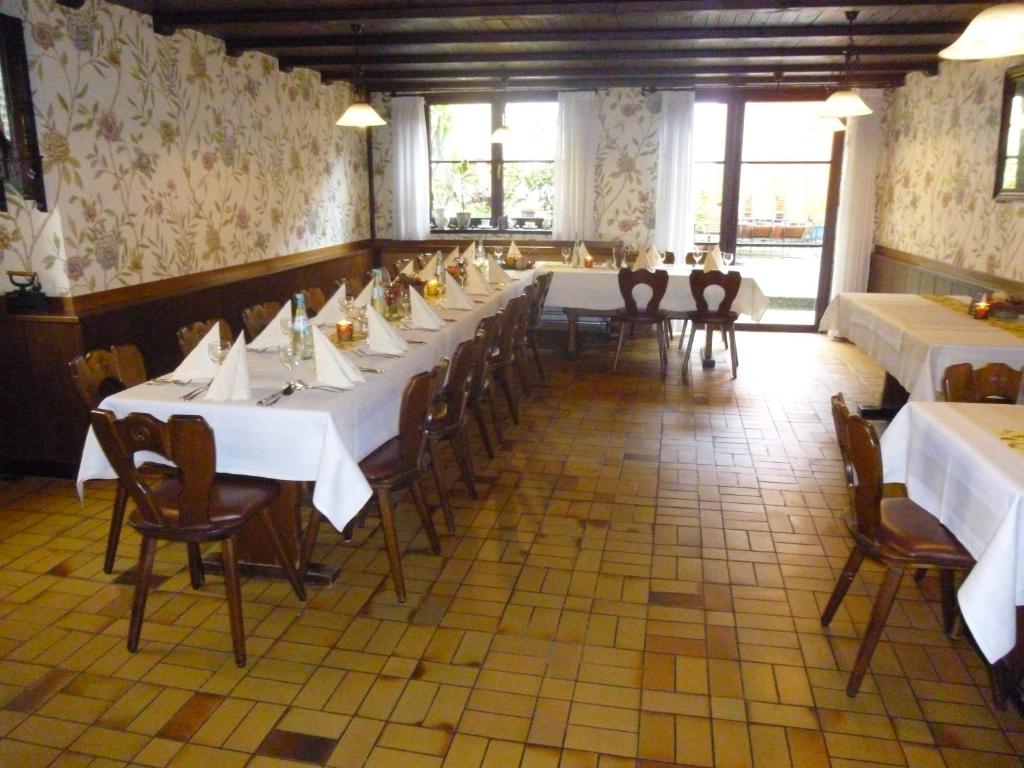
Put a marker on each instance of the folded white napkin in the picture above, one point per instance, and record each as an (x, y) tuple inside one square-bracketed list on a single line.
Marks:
[(273, 337), (423, 315), (476, 283), (409, 268), (495, 274), (452, 257), (470, 252), (649, 259), (584, 252), (363, 299), (427, 273), (455, 297), (198, 364), (232, 380), (713, 261), (332, 367), (513, 251), (381, 337), (330, 313)]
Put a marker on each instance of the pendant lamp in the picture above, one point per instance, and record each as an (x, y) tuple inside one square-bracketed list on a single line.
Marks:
[(992, 34), (502, 133), (845, 102), (359, 113)]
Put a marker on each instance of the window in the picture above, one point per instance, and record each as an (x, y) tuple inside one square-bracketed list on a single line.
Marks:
[(479, 185), (19, 149), (708, 170)]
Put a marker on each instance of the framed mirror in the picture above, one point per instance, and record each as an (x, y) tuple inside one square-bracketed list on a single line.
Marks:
[(1010, 157)]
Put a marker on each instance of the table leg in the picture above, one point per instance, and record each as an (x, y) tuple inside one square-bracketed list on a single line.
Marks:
[(571, 350), (708, 360), (894, 397)]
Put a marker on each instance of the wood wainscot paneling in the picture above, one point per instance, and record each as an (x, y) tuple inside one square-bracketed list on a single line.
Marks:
[(42, 420), (391, 251), (894, 271)]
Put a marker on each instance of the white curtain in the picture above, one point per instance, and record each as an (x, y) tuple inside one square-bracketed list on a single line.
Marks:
[(855, 225), (673, 212), (410, 171), (575, 157)]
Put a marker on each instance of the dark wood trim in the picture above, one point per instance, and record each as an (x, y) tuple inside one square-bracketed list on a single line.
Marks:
[(729, 222), (1014, 77), (23, 165), (370, 181), (981, 279), (828, 243)]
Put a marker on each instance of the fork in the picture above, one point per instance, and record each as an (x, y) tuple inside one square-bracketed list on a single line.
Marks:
[(195, 392)]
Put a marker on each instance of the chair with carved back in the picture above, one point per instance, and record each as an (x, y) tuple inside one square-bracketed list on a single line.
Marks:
[(722, 317), (258, 317), (483, 381), (543, 284), (194, 504), (503, 358), (452, 415), (315, 300), (651, 315), (895, 532), (97, 375), (191, 334), (992, 383)]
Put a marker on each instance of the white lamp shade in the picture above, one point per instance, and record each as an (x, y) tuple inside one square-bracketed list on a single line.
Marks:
[(994, 33), (845, 104), (360, 115), (833, 124), (501, 134)]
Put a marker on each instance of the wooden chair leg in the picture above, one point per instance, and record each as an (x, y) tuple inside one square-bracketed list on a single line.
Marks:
[(442, 485), (464, 457), (879, 614), (142, 576), (309, 541), (234, 595), (659, 329), (492, 401), (524, 382), (282, 555), (416, 491), (950, 613), (732, 350), (725, 339), (618, 347), (116, 521), (387, 524), (843, 584), (682, 333), (535, 348), (919, 574), (481, 423), (505, 379), (195, 565), (689, 350)]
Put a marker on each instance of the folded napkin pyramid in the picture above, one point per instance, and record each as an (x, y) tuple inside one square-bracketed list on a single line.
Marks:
[(330, 313), (495, 274), (713, 261), (427, 273), (332, 367), (452, 258), (363, 299), (198, 364), (470, 252), (232, 380), (513, 252), (455, 297), (649, 259), (476, 283), (381, 337), (409, 268), (423, 315), (273, 336)]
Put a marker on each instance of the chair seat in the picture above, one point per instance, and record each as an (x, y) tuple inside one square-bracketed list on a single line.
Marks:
[(909, 532), (232, 499), (384, 465), (643, 317), (712, 317)]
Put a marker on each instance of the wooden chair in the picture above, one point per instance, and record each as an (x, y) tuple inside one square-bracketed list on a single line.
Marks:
[(840, 417), (97, 375), (651, 315), (402, 462), (451, 415), (722, 317), (192, 334), (483, 381), (194, 504), (503, 359), (315, 300), (543, 283), (258, 317), (992, 383), (895, 532)]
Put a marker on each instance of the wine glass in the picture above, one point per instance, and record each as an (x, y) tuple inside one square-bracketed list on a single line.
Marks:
[(566, 255), (286, 326), (289, 357), (498, 252), (218, 350)]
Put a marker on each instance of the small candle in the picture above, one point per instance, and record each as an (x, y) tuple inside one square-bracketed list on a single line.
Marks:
[(981, 310), (588, 261), (344, 330), (432, 288)]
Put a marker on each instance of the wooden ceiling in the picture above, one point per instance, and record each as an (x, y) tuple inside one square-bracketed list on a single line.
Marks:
[(473, 45)]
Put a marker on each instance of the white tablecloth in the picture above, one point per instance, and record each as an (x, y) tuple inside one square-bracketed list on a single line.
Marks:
[(955, 465), (598, 288), (916, 339), (311, 435)]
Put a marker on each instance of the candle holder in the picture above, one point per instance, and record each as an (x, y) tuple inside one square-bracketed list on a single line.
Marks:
[(344, 330), (981, 310)]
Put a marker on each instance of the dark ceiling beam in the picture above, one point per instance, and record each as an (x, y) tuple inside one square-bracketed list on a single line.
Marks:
[(71, 3), (631, 55), (412, 11), (369, 41)]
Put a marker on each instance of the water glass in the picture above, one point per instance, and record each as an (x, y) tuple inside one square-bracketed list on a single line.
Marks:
[(566, 255), (219, 350), (290, 358)]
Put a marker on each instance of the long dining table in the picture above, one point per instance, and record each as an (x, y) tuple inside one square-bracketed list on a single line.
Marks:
[(964, 463), (594, 292), (914, 338), (312, 435)]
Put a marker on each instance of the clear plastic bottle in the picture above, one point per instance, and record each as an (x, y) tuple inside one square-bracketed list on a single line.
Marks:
[(302, 329), (440, 272), (377, 299)]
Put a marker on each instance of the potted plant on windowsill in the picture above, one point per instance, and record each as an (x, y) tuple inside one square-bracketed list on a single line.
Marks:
[(463, 181)]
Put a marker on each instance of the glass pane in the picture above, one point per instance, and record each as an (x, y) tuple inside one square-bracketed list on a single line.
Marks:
[(460, 132), (779, 234), (529, 190), (534, 126), (791, 130), (709, 131), (462, 187), (707, 201)]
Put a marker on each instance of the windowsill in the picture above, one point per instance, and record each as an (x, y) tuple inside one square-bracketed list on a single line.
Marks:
[(487, 231)]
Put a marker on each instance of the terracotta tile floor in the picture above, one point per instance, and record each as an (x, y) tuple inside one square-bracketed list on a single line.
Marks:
[(640, 584)]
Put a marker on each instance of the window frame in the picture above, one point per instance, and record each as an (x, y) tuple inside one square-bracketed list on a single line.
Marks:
[(497, 101), (24, 166)]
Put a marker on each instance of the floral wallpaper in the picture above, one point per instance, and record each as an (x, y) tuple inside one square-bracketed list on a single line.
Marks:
[(163, 157), (938, 172), (625, 175)]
